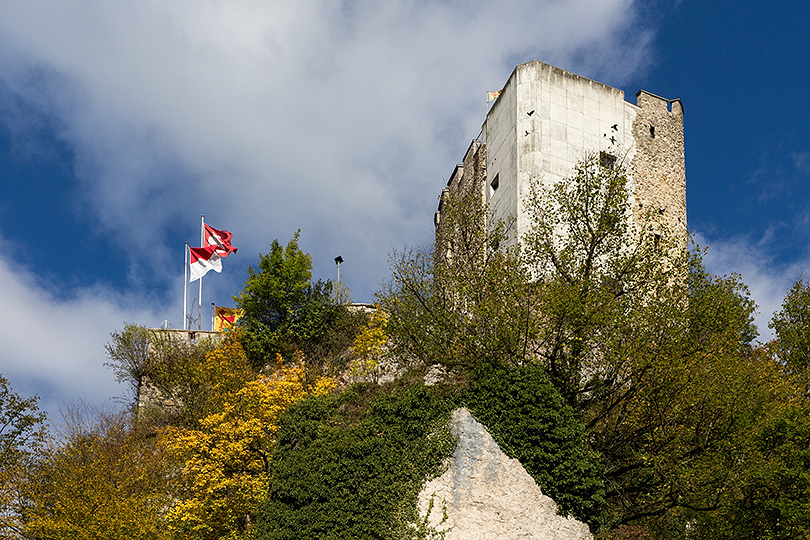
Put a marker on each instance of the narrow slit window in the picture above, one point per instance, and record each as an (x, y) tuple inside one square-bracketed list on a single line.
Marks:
[(495, 183), (652, 132)]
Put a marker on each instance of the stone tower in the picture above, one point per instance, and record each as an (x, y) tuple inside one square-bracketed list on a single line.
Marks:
[(546, 120)]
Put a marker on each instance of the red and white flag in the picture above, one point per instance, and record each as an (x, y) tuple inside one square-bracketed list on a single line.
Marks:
[(220, 239), (203, 259)]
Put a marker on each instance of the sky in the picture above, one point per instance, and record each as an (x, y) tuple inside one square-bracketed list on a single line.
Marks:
[(121, 123)]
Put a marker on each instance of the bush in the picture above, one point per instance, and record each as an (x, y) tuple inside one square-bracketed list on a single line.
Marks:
[(531, 422), (352, 466)]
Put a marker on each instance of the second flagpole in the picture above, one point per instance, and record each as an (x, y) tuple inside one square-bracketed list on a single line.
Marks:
[(199, 300), (185, 290)]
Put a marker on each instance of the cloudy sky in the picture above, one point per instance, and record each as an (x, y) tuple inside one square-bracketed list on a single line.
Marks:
[(122, 122)]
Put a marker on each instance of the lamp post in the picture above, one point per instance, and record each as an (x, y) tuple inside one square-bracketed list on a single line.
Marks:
[(338, 260)]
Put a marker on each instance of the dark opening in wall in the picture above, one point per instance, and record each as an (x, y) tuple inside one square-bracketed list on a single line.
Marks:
[(607, 160), (495, 183), (652, 131)]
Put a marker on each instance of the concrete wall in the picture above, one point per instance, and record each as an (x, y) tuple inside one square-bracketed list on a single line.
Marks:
[(547, 122)]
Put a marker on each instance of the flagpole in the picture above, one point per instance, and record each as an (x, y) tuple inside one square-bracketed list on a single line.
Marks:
[(185, 290), (202, 244)]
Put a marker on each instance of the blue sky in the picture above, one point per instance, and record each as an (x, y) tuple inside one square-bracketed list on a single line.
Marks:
[(120, 123)]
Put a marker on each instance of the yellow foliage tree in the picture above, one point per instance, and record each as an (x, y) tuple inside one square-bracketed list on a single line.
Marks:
[(102, 481), (225, 459), (225, 371), (369, 345)]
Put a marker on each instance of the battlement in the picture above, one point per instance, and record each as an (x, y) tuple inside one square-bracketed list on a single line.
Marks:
[(645, 99)]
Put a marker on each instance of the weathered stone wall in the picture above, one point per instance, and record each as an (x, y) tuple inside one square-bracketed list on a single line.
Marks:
[(183, 338), (475, 170), (150, 397), (484, 494), (467, 180), (468, 177), (659, 170)]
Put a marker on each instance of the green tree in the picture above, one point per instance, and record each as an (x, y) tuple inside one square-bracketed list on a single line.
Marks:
[(652, 352), (128, 354), (464, 301), (651, 349), (164, 361), (791, 327), (285, 312), (773, 501), (22, 433), (599, 278)]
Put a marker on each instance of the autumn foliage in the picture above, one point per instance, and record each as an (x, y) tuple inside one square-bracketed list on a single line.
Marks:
[(202, 474), (622, 373), (225, 458), (104, 479)]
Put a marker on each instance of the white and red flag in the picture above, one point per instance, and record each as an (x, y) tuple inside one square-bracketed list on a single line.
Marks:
[(220, 239), (203, 259)]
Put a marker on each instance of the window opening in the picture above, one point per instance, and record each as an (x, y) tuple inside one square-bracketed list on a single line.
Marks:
[(495, 183)]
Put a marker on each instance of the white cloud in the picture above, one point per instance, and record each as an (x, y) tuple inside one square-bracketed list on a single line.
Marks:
[(55, 346), (340, 119)]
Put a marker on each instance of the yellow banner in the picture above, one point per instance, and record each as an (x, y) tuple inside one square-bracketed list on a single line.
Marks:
[(225, 318)]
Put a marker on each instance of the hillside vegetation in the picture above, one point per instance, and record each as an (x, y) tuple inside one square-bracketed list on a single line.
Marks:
[(620, 372)]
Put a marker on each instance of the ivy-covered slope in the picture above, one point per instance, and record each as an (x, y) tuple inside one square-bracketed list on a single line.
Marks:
[(351, 466)]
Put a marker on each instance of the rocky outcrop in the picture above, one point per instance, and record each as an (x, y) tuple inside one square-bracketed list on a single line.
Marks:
[(484, 494)]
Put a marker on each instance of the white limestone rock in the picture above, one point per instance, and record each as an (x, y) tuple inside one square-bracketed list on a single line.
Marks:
[(484, 494)]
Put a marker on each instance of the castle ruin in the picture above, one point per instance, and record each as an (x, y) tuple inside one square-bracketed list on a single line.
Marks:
[(546, 120)]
